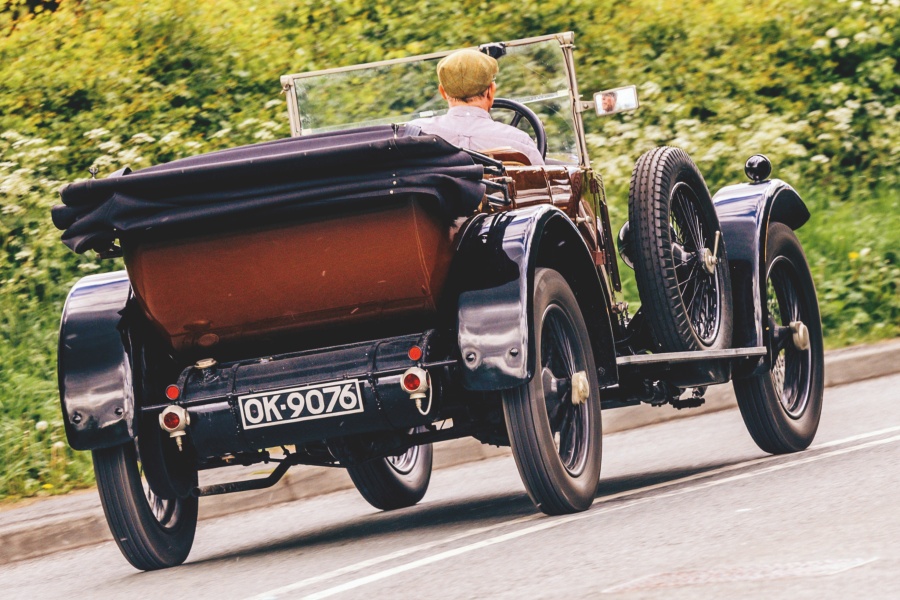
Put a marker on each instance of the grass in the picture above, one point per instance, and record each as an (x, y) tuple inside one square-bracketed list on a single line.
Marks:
[(853, 249)]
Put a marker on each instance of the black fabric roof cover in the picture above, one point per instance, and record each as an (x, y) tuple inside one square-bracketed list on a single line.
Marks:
[(275, 179)]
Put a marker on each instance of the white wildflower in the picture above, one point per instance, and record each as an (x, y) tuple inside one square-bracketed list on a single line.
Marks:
[(833, 32), (130, 156), (192, 145), (842, 116), (103, 161), (41, 425), (221, 133), (820, 44), (142, 138), (93, 134), (11, 135), (110, 146), (273, 103), (820, 158), (650, 89), (170, 137), (842, 43)]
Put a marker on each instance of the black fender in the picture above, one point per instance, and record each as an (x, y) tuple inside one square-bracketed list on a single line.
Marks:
[(494, 277), (745, 211), (94, 363)]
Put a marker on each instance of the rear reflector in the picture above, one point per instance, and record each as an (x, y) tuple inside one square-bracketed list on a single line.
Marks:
[(415, 353), (172, 392)]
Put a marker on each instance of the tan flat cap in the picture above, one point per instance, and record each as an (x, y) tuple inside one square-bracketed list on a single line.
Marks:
[(466, 73)]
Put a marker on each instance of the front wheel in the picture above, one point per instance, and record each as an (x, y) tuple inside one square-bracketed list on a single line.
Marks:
[(781, 407), (395, 481), (553, 421), (152, 532)]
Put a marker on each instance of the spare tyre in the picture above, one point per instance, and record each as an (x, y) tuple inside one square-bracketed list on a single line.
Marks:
[(679, 255)]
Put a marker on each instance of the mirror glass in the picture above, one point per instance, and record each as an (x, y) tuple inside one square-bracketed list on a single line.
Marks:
[(616, 100)]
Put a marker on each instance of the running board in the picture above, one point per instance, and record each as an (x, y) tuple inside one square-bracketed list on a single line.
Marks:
[(691, 356), (686, 369)]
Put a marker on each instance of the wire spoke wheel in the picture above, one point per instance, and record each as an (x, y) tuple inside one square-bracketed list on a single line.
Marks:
[(396, 481), (699, 289), (553, 421), (679, 255), (167, 512), (151, 531), (568, 421), (404, 463), (782, 407)]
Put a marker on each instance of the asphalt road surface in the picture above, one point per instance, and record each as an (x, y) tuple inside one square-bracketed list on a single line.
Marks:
[(685, 508)]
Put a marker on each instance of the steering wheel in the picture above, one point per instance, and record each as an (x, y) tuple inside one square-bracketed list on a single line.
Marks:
[(520, 111)]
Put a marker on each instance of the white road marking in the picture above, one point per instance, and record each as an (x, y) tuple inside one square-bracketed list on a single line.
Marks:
[(277, 592), (551, 522)]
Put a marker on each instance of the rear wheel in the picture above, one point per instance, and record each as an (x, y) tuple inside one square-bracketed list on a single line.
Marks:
[(152, 532), (781, 407), (679, 255), (553, 421), (395, 481)]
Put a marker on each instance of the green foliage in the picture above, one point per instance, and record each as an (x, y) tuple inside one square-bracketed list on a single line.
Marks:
[(854, 253), (112, 83)]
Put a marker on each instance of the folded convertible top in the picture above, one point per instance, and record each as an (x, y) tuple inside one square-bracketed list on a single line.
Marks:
[(270, 181)]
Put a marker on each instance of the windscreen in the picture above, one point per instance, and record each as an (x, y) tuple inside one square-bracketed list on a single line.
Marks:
[(534, 74)]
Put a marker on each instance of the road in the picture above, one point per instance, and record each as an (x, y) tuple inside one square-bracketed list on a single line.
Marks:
[(685, 508)]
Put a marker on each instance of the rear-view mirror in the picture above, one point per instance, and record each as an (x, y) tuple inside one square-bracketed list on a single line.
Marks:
[(616, 100)]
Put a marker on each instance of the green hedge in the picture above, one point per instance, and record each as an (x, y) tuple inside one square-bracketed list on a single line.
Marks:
[(111, 83)]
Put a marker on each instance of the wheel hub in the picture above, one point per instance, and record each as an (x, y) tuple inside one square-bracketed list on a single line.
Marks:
[(581, 390), (800, 335), (708, 260)]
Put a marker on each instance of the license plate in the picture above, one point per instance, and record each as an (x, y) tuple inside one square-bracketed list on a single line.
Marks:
[(303, 403)]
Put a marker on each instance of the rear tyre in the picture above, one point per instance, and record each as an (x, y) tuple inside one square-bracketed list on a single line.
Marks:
[(682, 274), (152, 532), (781, 407), (396, 481), (553, 421)]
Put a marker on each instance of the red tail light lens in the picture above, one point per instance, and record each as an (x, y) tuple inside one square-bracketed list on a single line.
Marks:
[(172, 392), (171, 420), (415, 353), (411, 382)]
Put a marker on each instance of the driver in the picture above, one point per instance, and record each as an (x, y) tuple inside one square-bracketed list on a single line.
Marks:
[(467, 84)]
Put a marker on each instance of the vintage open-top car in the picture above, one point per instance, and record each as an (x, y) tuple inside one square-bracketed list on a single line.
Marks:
[(358, 291)]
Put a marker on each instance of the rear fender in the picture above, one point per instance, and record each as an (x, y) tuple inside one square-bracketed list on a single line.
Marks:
[(745, 211), (94, 364), (494, 274)]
